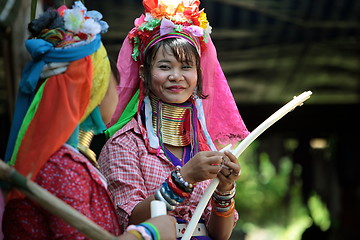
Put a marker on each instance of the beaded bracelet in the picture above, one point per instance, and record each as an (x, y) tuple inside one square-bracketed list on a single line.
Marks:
[(178, 191), (139, 229), (180, 182)]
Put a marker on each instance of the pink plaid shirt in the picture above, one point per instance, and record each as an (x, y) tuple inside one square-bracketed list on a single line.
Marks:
[(72, 178), (133, 174)]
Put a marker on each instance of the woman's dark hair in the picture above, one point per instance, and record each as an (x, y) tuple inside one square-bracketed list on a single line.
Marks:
[(47, 20), (182, 50)]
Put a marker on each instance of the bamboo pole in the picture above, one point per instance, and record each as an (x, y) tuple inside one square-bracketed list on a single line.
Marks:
[(53, 204), (297, 101)]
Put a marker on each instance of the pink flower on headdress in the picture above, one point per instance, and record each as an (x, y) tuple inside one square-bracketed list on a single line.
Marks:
[(166, 27), (140, 20), (194, 30)]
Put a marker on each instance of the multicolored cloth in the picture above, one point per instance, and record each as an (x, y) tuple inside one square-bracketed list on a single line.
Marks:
[(133, 174), (49, 112), (24, 219)]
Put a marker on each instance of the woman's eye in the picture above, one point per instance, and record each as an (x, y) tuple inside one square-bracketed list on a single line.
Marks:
[(187, 66), (164, 67)]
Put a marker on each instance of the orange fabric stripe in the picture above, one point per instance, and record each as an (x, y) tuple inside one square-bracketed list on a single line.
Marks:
[(64, 101)]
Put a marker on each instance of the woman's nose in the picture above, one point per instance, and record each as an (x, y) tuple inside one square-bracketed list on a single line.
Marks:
[(175, 76)]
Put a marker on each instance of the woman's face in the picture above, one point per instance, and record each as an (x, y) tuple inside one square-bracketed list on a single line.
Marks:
[(172, 81)]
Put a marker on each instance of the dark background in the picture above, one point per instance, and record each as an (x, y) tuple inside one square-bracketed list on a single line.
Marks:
[(270, 51)]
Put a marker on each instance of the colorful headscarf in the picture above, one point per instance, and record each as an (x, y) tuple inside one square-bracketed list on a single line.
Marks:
[(179, 18), (48, 113)]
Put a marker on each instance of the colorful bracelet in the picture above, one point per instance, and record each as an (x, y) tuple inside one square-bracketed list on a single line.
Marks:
[(223, 211), (178, 191), (180, 182), (139, 229), (171, 193), (136, 234), (160, 197), (152, 230), (222, 204), (232, 191), (224, 196)]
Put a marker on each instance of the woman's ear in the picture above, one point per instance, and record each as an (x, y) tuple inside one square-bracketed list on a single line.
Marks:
[(141, 72)]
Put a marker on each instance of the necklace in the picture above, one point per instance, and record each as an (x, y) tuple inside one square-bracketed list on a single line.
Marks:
[(84, 146), (172, 122)]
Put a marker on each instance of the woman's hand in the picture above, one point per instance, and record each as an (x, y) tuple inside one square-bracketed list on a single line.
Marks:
[(165, 224), (53, 68), (203, 166), (229, 173)]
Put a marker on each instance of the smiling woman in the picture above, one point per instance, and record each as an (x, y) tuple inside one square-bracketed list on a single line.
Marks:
[(172, 75), (167, 148)]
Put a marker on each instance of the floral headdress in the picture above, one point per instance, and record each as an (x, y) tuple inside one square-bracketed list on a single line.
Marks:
[(64, 26), (178, 19), (169, 16)]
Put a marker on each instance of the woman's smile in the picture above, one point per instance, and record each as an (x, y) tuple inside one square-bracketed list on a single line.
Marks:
[(176, 89)]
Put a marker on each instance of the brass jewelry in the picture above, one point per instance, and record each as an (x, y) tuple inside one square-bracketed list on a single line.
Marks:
[(85, 139), (173, 132)]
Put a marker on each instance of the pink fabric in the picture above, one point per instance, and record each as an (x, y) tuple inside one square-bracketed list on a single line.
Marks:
[(223, 119), (71, 177), (129, 78), (134, 174)]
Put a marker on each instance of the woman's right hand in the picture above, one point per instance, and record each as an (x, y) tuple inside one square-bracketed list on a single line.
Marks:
[(203, 166)]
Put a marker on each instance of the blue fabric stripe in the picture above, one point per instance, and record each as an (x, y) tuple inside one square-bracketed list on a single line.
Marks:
[(42, 52)]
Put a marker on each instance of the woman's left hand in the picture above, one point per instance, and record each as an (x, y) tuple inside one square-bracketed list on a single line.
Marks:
[(229, 173)]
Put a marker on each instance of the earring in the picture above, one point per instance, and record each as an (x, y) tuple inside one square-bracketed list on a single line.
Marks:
[(194, 94)]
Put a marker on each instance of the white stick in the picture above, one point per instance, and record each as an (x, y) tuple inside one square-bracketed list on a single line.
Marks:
[(158, 208), (297, 101)]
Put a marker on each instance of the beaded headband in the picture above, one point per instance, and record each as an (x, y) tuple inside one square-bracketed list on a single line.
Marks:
[(184, 36)]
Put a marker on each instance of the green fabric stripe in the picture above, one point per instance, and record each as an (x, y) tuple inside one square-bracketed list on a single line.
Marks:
[(126, 116), (26, 122)]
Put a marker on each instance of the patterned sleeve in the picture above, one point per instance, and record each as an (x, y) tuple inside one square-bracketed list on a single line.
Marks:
[(119, 163), (70, 182)]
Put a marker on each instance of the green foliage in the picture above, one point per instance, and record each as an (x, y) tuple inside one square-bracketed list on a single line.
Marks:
[(319, 212), (269, 198)]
